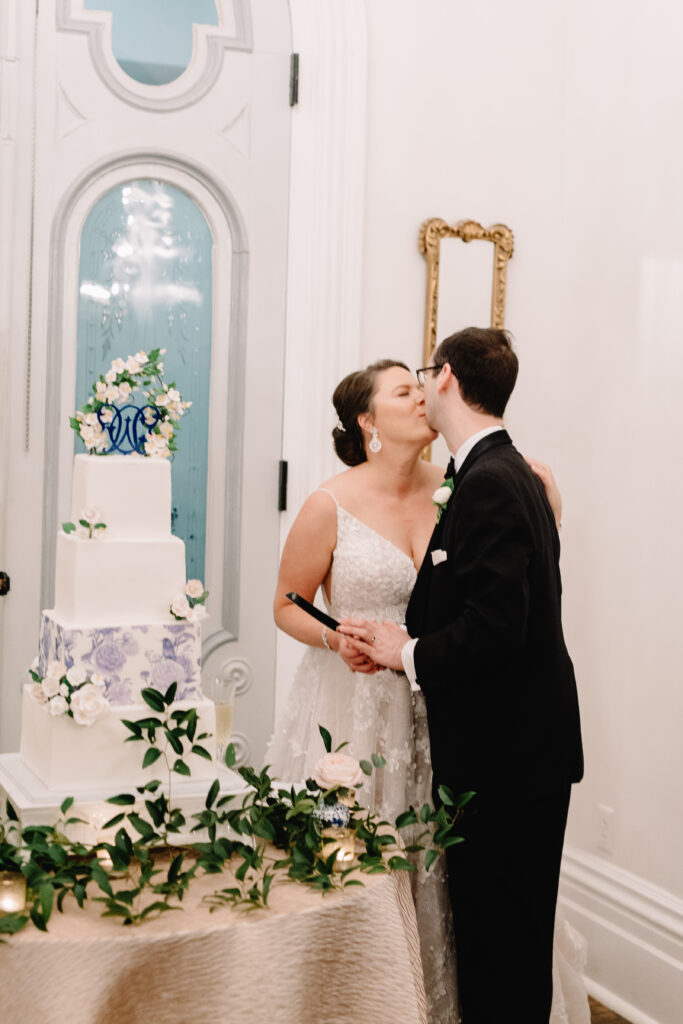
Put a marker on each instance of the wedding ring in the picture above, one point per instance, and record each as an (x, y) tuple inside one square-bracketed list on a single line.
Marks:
[(372, 639)]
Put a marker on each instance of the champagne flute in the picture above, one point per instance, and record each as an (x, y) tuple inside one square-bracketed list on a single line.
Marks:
[(222, 692)]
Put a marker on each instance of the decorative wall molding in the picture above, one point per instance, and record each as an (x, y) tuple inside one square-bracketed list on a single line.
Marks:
[(66, 228), (634, 932), (210, 44), (325, 265)]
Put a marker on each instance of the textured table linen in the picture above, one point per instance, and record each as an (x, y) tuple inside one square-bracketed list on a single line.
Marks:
[(337, 959)]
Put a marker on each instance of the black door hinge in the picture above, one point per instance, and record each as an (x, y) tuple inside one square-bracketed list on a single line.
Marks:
[(294, 80), (282, 487), (4, 584)]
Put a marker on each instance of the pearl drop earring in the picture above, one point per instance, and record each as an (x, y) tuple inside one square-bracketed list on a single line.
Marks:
[(375, 443)]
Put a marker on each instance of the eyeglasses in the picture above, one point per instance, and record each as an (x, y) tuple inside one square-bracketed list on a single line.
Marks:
[(420, 374)]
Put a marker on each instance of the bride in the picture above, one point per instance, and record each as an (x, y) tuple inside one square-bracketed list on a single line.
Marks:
[(361, 537)]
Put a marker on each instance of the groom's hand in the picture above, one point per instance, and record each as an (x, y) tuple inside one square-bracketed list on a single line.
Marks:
[(380, 641)]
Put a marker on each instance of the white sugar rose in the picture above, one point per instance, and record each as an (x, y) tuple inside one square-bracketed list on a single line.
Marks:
[(140, 357), (194, 588), (91, 513), (56, 669), (58, 706), (64, 690), (337, 770), (118, 366), (51, 686), (106, 415), (197, 613), (38, 693), (180, 607), (110, 377), (76, 675), (87, 704)]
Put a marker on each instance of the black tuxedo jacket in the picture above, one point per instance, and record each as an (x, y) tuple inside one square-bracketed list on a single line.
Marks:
[(491, 658)]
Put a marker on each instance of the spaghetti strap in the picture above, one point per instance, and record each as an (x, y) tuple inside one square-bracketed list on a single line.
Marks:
[(325, 491)]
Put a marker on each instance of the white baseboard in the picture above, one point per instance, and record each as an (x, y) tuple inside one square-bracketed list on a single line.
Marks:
[(634, 932)]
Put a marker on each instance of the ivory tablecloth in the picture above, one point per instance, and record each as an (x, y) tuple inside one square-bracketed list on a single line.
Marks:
[(343, 958)]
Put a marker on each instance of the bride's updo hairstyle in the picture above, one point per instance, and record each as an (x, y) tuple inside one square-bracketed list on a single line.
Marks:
[(352, 397)]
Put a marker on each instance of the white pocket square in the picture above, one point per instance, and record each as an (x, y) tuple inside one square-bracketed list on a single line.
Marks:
[(439, 556)]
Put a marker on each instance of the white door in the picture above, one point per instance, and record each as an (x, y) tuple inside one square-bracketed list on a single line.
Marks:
[(109, 169)]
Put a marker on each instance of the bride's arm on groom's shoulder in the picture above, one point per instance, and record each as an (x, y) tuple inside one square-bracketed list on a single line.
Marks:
[(306, 561), (545, 475)]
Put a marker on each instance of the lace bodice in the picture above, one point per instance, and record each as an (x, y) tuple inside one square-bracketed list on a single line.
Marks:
[(371, 577)]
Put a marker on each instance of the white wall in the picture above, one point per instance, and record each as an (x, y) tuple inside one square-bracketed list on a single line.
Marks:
[(563, 121)]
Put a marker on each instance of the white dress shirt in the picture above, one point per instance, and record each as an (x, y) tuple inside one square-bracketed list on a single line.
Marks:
[(408, 649)]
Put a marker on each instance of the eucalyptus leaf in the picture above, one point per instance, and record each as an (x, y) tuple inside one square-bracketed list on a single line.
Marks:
[(366, 767), (66, 804)]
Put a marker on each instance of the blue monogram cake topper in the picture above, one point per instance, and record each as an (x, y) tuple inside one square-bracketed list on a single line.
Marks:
[(110, 422), (128, 426)]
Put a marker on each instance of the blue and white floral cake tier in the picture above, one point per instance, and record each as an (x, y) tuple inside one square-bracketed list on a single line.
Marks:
[(129, 658)]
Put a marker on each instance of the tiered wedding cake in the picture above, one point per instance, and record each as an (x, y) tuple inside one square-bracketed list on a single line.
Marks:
[(112, 632)]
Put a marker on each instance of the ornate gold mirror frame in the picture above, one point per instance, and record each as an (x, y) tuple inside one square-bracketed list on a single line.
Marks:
[(431, 233)]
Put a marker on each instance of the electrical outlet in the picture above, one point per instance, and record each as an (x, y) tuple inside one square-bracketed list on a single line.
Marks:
[(605, 828)]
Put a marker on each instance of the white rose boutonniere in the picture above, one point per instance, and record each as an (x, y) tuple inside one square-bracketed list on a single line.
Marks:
[(441, 497)]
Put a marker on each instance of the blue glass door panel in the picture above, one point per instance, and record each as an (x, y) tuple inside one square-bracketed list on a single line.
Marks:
[(152, 39), (145, 281)]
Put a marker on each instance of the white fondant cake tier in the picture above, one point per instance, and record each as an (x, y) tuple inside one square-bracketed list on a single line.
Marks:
[(129, 657), (132, 492), (98, 582), (71, 757)]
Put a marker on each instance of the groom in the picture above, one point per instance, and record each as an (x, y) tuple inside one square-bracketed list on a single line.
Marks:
[(488, 652)]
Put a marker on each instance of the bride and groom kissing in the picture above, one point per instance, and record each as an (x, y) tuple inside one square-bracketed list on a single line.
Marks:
[(479, 693)]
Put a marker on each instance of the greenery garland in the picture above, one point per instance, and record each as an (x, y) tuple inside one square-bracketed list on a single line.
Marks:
[(56, 867)]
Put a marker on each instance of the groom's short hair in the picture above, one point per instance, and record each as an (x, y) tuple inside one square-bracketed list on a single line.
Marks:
[(483, 360)]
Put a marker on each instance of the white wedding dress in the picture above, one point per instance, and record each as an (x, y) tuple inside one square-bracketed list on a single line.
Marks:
[(372, 578)]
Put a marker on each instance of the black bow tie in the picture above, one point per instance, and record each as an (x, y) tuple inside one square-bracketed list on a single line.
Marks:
[(450, 470)]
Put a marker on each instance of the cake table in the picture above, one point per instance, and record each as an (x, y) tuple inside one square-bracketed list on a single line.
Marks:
[(348, 957)]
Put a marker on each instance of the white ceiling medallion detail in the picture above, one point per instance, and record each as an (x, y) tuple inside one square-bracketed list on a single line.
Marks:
[(203, 71), (67, 118), (238, 132)]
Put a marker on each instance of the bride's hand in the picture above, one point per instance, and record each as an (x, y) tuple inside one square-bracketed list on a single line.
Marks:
[(355, 659), (381, 641), (545, 474)]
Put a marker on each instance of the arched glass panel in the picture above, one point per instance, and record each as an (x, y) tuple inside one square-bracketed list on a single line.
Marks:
[(152, 39), (145, 281)]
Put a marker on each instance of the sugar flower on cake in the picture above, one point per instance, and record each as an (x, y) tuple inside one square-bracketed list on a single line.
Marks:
[(87, 704), (190, 605), (194, 588), (69, 692), (58, 705)]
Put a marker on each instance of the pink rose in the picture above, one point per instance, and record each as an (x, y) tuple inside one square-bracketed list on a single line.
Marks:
[(337, 770)]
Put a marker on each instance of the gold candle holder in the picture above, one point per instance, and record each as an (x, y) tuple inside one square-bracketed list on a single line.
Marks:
[(343, 840), (12, 891)]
